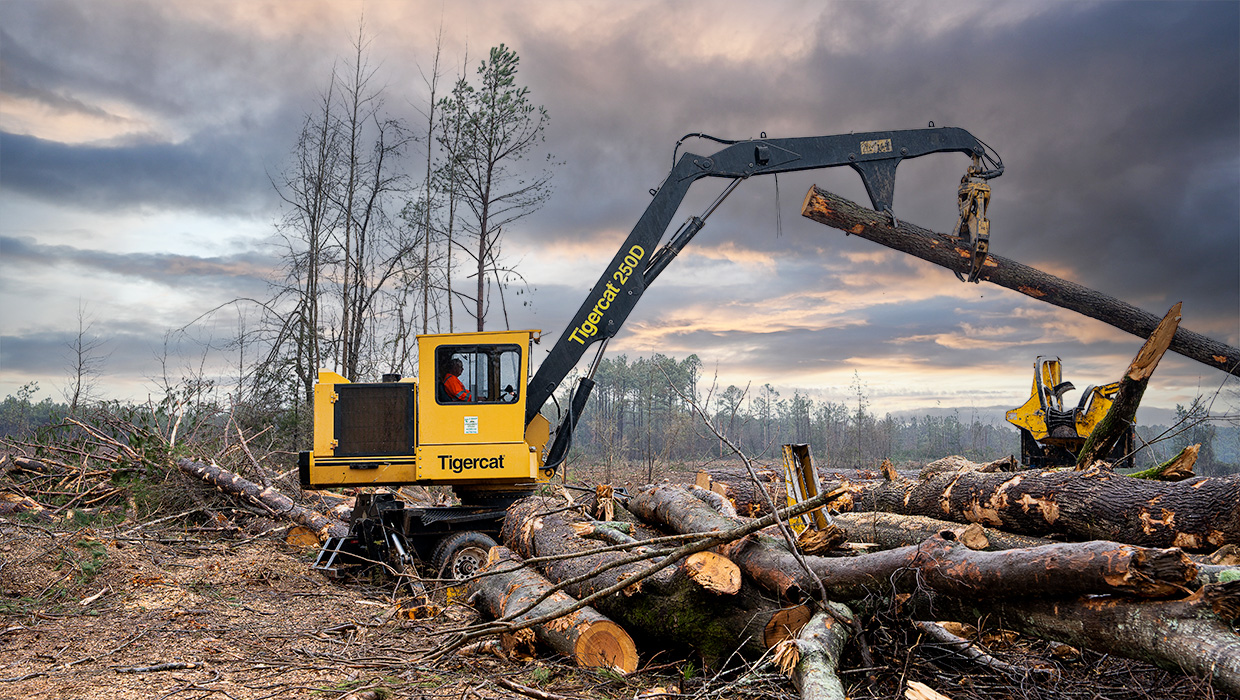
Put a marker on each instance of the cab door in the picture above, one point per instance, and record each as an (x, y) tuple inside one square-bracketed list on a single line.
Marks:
[(472, 407)]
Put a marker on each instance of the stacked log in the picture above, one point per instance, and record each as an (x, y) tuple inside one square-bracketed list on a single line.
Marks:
[(506, 588), (1202, 513), (675, 606)]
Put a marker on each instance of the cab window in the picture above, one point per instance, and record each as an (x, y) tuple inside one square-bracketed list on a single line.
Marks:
[(477, 374)]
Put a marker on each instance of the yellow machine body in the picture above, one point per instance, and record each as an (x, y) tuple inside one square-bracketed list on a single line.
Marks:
[(1052, 434), (1035, 415), (801, 483), (412, 431)]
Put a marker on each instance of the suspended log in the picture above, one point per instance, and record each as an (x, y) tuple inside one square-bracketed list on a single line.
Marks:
[(891, 530), (276, 503), (940, 563), (1123, 411), (1193, 635), (946, 251), (1196, 514), (669, 608), (586, 636), (813, 658)]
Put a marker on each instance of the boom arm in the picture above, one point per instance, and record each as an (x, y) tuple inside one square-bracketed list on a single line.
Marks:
[(639, 261)]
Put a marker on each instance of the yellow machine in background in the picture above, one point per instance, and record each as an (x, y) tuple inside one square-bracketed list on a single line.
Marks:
[(801, 483), (1051, 436)]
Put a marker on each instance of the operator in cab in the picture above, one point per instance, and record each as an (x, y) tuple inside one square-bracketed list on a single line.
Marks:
[(452, 383)]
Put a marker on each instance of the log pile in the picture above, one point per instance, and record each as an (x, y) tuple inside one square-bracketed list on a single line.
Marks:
[(1135, 601)]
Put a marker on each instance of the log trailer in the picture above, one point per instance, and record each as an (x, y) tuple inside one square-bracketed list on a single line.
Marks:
[(486, 437)]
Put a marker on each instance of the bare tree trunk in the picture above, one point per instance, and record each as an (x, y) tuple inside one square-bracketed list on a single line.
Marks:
[(276, 503), (945, 251)]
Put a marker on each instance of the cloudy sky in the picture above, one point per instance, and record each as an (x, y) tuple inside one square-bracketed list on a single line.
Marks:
[(138, 139)]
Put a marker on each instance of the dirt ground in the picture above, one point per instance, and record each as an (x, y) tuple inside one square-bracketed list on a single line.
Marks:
[(87, 615)]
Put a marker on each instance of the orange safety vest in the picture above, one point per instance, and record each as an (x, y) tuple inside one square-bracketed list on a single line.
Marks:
[(456, 389)]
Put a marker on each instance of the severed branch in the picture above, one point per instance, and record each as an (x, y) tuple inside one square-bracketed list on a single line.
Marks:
[(1178, 468), (947, 251)]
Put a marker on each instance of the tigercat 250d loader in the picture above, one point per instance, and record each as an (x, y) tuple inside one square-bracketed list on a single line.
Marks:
[(472, 419)]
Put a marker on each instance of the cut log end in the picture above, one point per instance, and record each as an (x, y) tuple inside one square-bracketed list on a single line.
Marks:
[(714, 572), (785, 624), (604, 644), (974, 537), (812, 541)]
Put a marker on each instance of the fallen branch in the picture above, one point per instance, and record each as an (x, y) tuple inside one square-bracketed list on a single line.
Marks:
[(274, 501)]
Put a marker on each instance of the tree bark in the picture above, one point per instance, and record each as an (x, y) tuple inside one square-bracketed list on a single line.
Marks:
[(666, 609), (272, 500), (1192, 635), (1197, 514), (1123, 411), (945, 251), (586, 636), (891, 530), (813, 658)]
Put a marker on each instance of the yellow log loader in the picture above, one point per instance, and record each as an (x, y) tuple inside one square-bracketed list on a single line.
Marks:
[(472, 418)]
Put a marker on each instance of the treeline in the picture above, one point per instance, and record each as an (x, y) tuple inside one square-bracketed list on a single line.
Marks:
[(654, 411)]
